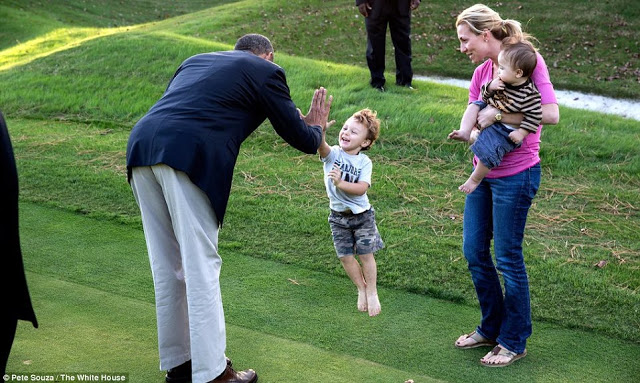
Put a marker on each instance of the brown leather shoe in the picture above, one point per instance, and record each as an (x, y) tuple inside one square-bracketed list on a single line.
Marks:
[(182, 373), (230, 376)]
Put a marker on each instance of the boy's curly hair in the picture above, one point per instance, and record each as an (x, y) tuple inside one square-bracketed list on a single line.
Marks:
[(368, 118)]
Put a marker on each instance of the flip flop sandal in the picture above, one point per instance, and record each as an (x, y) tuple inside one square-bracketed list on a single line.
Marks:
[(501, 351), (478, 341)]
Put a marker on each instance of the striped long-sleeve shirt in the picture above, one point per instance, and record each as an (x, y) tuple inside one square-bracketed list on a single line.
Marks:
[(523, 99)]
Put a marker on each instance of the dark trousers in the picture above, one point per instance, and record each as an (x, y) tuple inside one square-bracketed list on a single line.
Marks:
[(396, 14), (8, 325)]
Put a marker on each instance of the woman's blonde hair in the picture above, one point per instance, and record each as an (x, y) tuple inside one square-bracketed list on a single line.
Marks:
[(370, 121), (479, 18)]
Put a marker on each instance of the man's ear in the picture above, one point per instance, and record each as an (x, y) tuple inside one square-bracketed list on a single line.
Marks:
[(267, 56)]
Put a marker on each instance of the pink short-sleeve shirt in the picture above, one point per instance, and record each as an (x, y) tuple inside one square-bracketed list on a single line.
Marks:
[(526, 155)]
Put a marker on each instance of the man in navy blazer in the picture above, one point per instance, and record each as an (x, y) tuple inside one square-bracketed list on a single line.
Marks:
[(180, 161)]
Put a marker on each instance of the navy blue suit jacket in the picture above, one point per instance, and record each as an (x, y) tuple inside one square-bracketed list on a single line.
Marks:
[(212, 104)]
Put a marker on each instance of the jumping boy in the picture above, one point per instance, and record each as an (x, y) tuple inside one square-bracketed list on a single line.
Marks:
[(352, 218)]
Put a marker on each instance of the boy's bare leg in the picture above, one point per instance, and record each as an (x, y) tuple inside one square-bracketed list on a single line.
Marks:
[(468, 122), (354, 271), (476, 177), (370, 272)]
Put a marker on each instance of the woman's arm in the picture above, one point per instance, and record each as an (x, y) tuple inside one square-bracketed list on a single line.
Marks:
[(550, 114), (487, 116)]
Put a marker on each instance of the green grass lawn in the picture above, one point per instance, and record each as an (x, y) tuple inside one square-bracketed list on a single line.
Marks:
[(75, 80), (287, 322)]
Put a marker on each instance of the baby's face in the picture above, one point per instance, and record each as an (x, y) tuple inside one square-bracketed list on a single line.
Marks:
[(506, 72)]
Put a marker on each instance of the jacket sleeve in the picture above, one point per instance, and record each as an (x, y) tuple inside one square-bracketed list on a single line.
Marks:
[(284, 117)]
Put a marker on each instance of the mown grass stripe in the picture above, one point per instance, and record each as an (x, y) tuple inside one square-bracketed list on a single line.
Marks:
[(287, 322)]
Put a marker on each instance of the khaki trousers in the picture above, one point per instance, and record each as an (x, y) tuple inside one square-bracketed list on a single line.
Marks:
[(181, 232)]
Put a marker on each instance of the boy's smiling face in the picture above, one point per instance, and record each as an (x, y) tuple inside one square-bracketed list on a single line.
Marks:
[(353, 136)]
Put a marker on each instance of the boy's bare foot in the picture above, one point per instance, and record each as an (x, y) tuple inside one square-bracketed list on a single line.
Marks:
[(459, 135), (362, 301), (469, 186), (374, 304)]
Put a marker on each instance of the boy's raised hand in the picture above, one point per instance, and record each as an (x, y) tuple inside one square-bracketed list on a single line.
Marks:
[(328, 125), (319, 109)]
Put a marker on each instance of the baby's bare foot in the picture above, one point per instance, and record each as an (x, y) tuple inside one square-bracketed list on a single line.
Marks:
[(459, 135), (469, 186)]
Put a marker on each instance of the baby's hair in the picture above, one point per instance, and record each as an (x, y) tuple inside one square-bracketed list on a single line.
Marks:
[(368, 118), (520, 55)]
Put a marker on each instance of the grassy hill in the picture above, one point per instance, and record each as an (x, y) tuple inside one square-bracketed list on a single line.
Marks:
[(589, 46), (75, 80)]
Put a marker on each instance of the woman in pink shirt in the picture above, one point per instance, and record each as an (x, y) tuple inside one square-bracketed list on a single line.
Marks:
[(498, 208)]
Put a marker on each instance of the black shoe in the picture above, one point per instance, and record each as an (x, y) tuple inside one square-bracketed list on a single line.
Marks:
[(182, 373), (408, 86)]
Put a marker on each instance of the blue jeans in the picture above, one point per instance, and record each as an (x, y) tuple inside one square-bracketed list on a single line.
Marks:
[(498, 209)]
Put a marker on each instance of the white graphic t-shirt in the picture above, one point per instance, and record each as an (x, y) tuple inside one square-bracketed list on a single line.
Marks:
[(354, 168)]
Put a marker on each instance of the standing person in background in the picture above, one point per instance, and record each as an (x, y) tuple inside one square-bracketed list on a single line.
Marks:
[(497, 209), (16, 302), (180, 161), (397, 14)]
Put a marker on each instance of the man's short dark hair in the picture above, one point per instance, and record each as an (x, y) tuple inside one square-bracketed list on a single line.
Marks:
[(255, 43)]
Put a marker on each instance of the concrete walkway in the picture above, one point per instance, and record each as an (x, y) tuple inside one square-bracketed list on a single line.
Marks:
[(621, 107)]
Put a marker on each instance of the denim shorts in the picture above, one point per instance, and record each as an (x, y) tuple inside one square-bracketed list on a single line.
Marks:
[(493, 142), (355, 233)]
